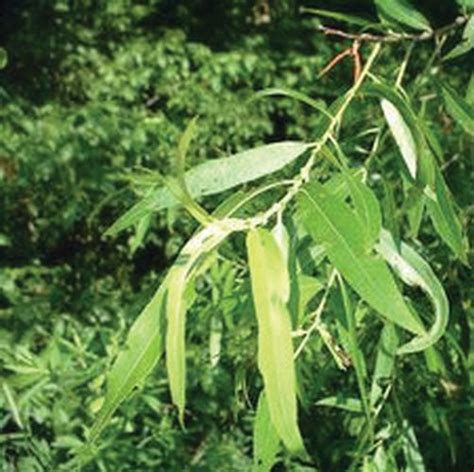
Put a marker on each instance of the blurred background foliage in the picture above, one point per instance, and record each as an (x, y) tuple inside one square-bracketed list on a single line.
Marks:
[(93, 89)]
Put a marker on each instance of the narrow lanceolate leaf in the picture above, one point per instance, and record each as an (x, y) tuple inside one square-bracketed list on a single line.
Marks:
[(402, 135), (333, 224), (265, 439), (403, 12), (353, 405), (334, 15), (271, 292), (459, 108), (384, 363), (415, 271), (404, 125), (215, 176), (367, 208), (444, 218), (355, 351), (178, 277), (467, 43), (411, 449), (318, 105), (143, 348)]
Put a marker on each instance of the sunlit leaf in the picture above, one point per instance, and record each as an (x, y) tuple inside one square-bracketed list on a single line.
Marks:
[(404, 125), (215, 176), (143, 348), (332, 223), (178, 277), (265, 439), (402, 135), (271, 292)]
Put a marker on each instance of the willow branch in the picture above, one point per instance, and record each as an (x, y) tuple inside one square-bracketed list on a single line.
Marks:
[(393, 37)]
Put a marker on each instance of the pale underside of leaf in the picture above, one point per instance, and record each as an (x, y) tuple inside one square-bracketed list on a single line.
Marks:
[(414, 270), (402, 135), (216, 176)]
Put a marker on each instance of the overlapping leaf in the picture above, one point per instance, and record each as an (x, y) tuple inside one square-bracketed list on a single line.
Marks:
[(215, 176), (458, 108), (402, 135), (415, 271), (178, 277), (444, 218), (333, 224)]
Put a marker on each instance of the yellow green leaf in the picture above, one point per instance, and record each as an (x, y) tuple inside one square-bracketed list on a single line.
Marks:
[(271, 292)]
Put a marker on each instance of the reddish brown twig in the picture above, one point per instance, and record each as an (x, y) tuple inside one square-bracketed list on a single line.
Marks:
[(353, 52)]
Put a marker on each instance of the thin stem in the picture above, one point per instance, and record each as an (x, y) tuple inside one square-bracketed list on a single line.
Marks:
[(403, 67), (393, 37), (316, 315), (304, 175)]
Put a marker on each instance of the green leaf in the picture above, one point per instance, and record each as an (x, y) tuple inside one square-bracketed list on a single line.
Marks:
[(367, 208), (183, 147), (271, 292), (141, 230), (470, 91), (415, 206), (385, 361), (411, 449), (355, 352), (142, 351), (424, 161), (178, 277), (318, 105), (353, 405), (402, 11), (334, 15), (215, 340), (415, 271), (444, 218), (402, 135), (332, 223), (3, 58), (467, 43), (458, 108), (265, 439), (215, 176)]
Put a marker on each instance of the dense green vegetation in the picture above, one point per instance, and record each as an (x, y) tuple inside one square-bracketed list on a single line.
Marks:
[(106, 104)]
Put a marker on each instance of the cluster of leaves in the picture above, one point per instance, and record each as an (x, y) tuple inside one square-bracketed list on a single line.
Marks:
[(292, 311)]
